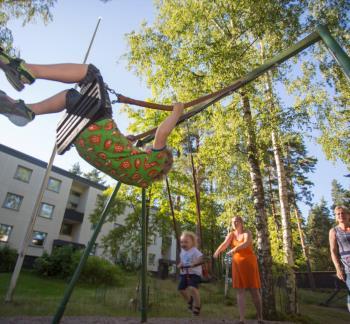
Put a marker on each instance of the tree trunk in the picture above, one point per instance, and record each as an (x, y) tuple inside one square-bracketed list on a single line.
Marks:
[(263, 240), (291, 307), (272, 202), (304, 247)]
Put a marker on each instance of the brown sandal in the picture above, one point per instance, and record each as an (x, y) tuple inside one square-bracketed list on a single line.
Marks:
[(196, 311)]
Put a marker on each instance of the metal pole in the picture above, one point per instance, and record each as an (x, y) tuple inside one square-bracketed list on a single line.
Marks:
[(68, 292), (92, 40), (143, 259), (28, 235), (335, 49)]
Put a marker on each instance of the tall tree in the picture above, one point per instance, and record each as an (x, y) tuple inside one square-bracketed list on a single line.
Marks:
[(95, 176), (318, 224), (264, 249), (340, 195), (75, 169)]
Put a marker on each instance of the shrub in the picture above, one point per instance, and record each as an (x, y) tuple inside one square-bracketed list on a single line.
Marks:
[(98, 271), (63, 261), (59, 264), (8, 259)]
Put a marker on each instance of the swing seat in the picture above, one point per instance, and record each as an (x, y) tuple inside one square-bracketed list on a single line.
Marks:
[(80, 115)]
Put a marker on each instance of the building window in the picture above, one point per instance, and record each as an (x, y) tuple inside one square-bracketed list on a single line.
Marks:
[(151, 259), (5, 231), (46, 210), (93, 250), (23, 174), (66, 229), (75, 194), (73, 200), (38, 238), (12, 201), (54, 185)]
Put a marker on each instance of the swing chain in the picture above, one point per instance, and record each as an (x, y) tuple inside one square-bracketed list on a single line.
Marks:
[(112, 91)]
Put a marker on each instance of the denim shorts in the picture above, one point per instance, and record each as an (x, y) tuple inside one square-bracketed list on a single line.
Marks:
[(190, 280)]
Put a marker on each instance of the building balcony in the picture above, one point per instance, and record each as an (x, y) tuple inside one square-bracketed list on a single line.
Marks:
[(59, 243), (73, 216)]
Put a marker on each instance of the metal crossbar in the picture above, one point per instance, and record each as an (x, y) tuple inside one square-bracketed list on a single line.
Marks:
[(321, 33)]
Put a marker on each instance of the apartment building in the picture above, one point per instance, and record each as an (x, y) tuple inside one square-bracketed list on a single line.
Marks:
[(63, 217)]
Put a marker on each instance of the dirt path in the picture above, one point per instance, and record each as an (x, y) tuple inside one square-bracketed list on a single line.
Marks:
[(120, 320)]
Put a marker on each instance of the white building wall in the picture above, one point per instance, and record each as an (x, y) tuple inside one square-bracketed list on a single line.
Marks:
[(87, 201)]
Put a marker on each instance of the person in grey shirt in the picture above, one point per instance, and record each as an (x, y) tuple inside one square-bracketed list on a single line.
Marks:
[(339, 241)]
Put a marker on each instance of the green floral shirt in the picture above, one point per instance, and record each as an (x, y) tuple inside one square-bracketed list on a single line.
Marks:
[(103, 146)]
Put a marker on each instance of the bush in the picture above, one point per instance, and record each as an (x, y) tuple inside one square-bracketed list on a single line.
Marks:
[(98, 271), (59, 264), (63, 261), (8, 259)]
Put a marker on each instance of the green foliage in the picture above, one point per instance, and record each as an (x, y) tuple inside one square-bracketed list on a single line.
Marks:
[(8, 258), (340, 195), (98, 271), (27, 10), (63, 261), (318, 224), (95, 176), (75, 169), (59, 264)]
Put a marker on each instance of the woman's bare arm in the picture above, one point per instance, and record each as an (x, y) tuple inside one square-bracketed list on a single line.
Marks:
[(224, 245), (335, 254), (165, 128)]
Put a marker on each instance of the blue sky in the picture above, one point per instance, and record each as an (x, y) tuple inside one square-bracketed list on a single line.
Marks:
[(66, 40)]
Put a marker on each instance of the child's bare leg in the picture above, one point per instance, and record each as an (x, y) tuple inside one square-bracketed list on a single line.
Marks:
[(185, 295), (51, 105), (67, 72), (194, 292)]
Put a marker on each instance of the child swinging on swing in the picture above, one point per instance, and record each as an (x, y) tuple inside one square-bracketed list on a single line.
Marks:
[(190, 271), (101, 143)]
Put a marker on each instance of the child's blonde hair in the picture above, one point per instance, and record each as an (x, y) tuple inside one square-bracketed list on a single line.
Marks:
[(192, 235)]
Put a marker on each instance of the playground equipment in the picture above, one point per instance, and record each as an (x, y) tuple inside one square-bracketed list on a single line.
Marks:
[(320, 34)]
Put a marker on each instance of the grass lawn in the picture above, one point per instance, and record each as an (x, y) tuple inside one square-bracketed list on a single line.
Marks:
[(36, 296)]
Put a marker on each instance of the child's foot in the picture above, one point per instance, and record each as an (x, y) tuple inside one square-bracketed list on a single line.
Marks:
[(15, 71), (16, 111), (190, 304), (196, 311)]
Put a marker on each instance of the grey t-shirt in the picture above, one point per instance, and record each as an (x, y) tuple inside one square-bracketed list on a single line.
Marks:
[(189, 257)]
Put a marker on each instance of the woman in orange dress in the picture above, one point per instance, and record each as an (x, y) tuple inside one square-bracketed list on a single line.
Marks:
[(245, 271)]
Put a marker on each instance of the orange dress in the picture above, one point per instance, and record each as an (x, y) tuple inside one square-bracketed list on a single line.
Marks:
[(245, 271)]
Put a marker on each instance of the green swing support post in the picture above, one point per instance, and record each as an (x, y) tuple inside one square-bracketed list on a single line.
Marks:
[(335, 49), (69, 290), (143, 259)]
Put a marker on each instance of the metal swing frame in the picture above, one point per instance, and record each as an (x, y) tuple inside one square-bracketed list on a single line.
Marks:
[(321, 34)]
